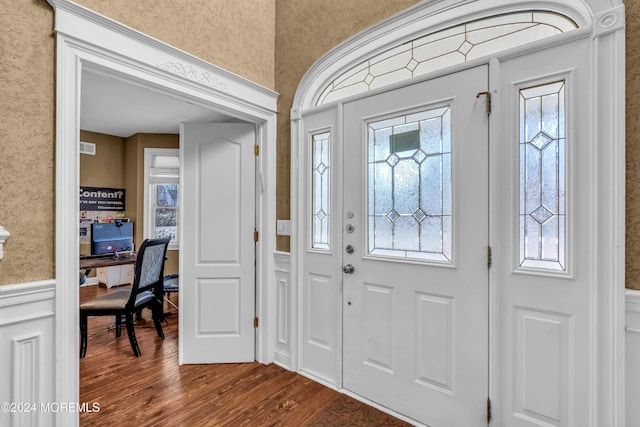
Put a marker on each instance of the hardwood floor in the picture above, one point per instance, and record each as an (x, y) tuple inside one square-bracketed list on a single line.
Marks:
[(153, 390)]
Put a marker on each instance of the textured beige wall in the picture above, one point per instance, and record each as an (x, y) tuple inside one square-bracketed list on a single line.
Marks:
[(305, 31), (236, 35), (245, 38), (633, 145), (27, 151), (105, 169)]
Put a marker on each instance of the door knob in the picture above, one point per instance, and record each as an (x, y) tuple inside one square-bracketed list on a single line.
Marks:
[(348, 269)]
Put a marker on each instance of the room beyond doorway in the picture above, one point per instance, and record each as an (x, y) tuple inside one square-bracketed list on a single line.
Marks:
[(85, 41)]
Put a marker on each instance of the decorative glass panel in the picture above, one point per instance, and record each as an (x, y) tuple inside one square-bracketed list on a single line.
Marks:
[(409, 186), (320, 146), (444, 48), (542, 177), (166, 211)]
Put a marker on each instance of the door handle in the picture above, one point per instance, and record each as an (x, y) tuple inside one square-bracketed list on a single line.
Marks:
[(348, 269)]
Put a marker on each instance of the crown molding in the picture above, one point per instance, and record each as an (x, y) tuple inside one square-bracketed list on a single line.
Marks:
[(71, 17)]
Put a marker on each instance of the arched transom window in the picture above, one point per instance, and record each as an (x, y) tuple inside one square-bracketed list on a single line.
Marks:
[(445, 48)]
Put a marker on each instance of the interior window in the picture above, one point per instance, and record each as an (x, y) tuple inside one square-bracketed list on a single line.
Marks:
[(162, 174)]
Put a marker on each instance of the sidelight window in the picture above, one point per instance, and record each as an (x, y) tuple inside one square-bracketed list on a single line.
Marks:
[(542, 177), (321, 209)]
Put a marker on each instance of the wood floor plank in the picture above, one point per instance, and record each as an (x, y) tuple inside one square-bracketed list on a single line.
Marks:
[(154, 390)]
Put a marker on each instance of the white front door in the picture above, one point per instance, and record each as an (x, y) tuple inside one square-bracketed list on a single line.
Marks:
[(217, 248), (415, 236)]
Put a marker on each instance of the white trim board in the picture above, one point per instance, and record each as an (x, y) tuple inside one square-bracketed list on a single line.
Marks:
[(27, 337)]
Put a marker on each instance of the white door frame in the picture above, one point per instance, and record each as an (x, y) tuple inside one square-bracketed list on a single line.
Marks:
[(87, 40), (604, 21)]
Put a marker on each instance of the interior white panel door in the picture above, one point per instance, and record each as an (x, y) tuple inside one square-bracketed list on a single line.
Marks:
[(544, 253), (217, 248), (416, 216)]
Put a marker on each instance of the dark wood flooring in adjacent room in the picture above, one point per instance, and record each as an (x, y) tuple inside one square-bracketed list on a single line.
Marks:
[(153, 390)]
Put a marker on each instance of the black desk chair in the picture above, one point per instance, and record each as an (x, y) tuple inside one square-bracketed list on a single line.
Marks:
[(147, 291)]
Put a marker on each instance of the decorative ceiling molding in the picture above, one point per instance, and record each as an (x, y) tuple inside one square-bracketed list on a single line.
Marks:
[(86, 26), (192, 73)]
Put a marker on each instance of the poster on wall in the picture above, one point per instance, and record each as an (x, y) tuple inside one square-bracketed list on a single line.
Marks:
[(99, 204), (102, 199)]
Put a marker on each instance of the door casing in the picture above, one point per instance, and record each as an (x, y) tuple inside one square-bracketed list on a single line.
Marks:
[(597, 19), (87, 40)]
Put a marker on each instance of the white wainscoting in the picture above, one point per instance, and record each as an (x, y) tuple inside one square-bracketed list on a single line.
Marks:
[(633, 357), (284, 303), (27, 353)]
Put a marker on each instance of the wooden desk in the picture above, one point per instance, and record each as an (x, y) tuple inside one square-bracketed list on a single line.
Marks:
[(107, 261), (87, 264)]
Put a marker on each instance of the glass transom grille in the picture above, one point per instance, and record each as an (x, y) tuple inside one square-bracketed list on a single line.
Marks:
[(445, 48)]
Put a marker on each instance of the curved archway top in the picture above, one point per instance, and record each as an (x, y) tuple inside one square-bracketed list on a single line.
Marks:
[(430, 17)]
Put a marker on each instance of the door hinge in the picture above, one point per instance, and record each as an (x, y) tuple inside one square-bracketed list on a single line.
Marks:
[(488, 410), (255, 235), (487, 100), (489, 260), (255, 322), (256, 150)]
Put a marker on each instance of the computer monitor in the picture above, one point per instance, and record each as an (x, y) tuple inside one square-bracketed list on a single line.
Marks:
[(110, 237)]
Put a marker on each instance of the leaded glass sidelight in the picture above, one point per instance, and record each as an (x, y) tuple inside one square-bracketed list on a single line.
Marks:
[(409, 186), (542, 177), (320, 160)]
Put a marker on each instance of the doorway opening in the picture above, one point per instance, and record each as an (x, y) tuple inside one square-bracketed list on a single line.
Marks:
[(359, 325), (154, 66)]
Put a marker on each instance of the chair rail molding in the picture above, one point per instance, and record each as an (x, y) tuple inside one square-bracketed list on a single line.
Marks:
[(86, 40), (632, 354), (3, 237), (27, 339), (284, 308)]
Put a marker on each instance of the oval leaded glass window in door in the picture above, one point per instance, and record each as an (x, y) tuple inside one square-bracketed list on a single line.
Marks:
[(409, 186)]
